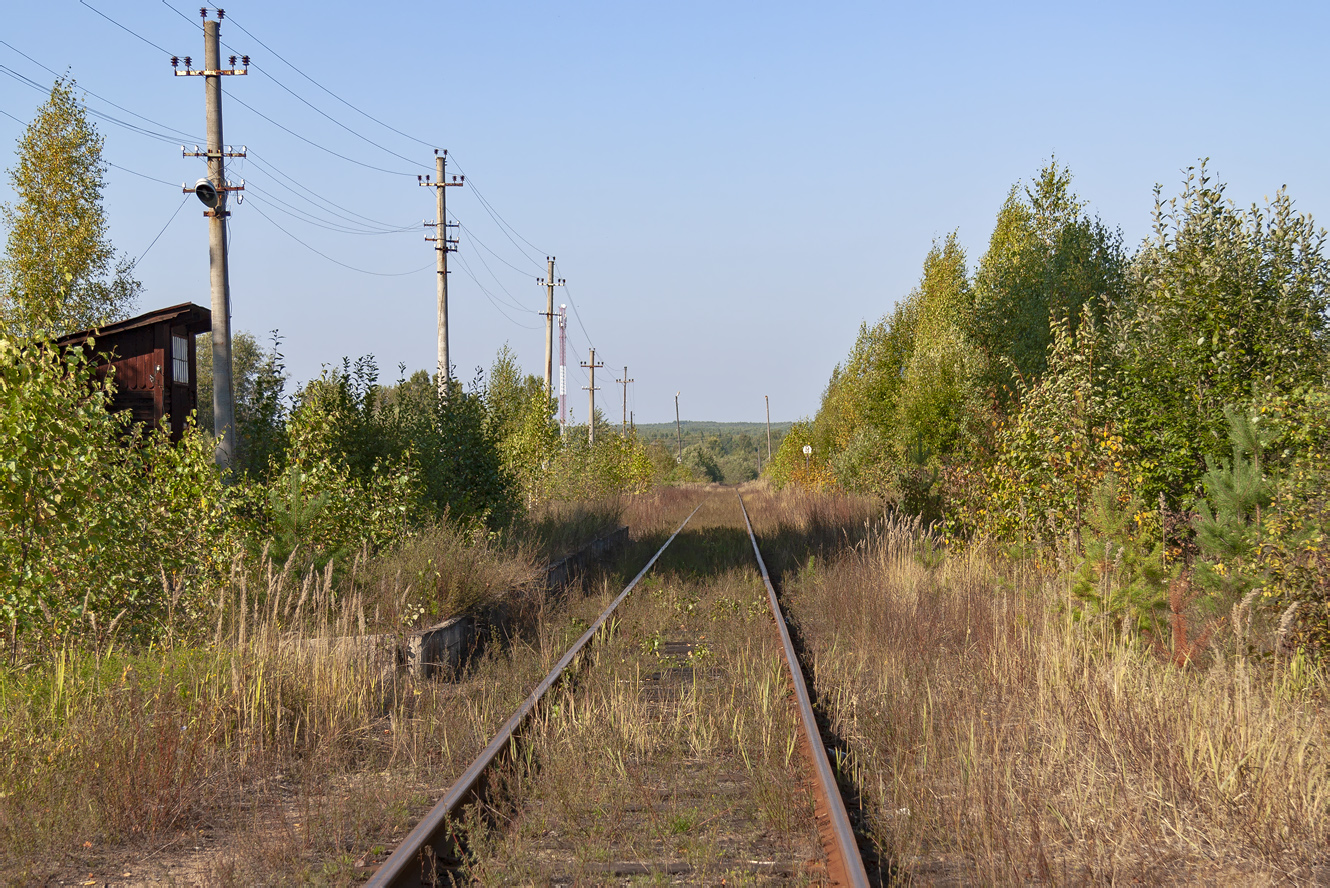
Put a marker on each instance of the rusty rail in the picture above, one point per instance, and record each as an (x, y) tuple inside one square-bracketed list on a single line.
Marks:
[(844, 864), (407, 865)]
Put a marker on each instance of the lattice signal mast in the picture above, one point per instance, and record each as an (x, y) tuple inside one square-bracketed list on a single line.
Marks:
[(563, 369)]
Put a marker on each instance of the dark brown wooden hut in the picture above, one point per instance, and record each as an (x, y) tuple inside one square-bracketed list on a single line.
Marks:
[(154, 355)]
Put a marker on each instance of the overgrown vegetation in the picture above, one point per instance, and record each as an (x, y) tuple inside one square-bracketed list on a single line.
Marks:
[(993, 732), (1129, 402), (1084, 639)]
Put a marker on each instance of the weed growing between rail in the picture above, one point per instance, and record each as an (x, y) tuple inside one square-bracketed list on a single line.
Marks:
[(676, 746), (993, 739), (285, 745)]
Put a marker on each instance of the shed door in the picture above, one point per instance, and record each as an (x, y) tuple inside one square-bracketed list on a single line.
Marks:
[(182, 385)]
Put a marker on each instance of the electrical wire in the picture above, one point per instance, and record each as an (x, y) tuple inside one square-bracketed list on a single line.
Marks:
[(123, 28), (320, 111), (163, 231), (54, 73), (577, 314), (101, 115), (503, 223), (284, 61), (472, 235), (136, 173), (107, 162), (198, 25), (488, 295), (312, 143), (309, 194), (508, 230), (335, 261), (512, 300), (297, 213)]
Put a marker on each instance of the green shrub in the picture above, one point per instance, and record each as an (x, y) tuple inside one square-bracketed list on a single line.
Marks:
[(110, 527)]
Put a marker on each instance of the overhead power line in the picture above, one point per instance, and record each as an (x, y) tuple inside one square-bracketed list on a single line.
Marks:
[(312, 143), (320, 111), (163, 231), (157, 123), (310, 195), (578, 315), (293, 67), (274, 224), (281, 206), (100, 115), (129, 31), (509, 231), (505, 227), (472, 235), (137, 173), (490, 296), (512, 300)]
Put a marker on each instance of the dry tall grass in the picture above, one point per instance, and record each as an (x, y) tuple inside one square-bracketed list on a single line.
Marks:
[(994, 739), (285, 745)]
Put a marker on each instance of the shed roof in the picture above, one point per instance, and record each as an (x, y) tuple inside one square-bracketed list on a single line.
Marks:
[(194, 318)]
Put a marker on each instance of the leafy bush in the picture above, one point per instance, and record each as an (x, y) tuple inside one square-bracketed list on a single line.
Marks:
[(1224, 302), (110, 527), (1058, 447)]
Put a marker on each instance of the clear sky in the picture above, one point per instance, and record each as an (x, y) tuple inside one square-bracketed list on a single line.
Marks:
[(730, 188)]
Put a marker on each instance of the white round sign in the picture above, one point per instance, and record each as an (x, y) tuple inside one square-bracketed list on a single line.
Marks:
[(808, 449)]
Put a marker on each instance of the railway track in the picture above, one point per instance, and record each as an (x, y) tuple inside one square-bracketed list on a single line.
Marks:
[(429, 855)]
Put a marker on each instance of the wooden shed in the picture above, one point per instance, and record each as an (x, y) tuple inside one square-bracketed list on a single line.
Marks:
[(154, 355)]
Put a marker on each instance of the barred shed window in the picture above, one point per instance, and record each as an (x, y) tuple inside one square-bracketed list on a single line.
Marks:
[(179, 359)]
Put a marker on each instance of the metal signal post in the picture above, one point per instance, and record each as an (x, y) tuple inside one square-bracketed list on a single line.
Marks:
[(212, 191)]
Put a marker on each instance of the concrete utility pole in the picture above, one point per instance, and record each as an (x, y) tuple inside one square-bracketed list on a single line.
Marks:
[(624, 382), (443, 245), (768, 400), (591, 414), (212, 192), (678, 435), (549, 284)]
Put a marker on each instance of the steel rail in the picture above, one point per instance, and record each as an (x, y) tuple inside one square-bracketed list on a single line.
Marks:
[(406, 865), (840, 820)]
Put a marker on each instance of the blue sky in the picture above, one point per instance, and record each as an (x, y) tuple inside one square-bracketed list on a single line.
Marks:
[(730, 188)]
